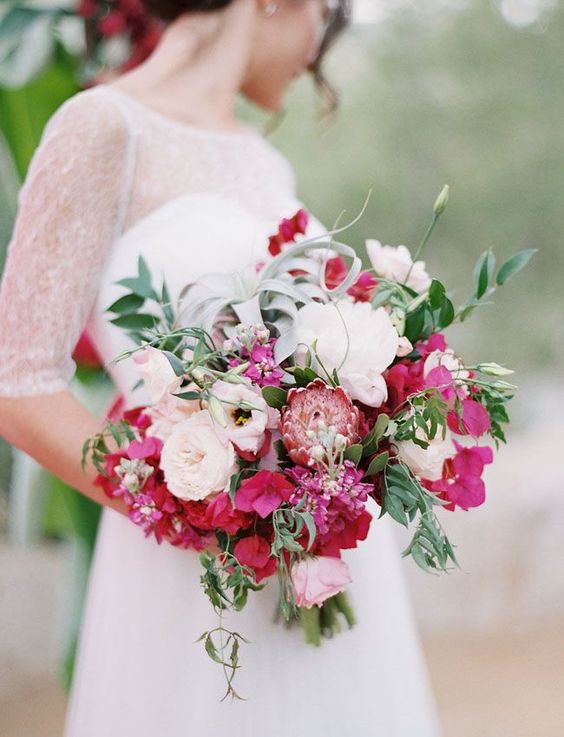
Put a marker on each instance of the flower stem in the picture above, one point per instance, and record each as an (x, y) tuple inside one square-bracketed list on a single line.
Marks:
[(310, 621)]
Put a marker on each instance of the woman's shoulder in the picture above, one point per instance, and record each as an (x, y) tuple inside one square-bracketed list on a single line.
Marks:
[(90, 117)]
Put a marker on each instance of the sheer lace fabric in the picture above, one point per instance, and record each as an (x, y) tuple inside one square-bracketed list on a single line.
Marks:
[(105, 162)]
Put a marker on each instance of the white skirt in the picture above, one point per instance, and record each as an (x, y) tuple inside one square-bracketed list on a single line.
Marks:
[(139, 672)]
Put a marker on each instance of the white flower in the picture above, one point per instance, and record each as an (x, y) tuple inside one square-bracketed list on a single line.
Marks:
[(197, 458), (354, 332), (394, 263), (426, 463), (245, 427), (156, 371), (170, 411)]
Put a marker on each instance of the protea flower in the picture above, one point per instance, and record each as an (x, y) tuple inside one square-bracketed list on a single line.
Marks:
[(312, 414)]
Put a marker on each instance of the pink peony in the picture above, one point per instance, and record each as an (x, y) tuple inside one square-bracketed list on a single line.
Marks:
[(316, 579), (263, 493), (310, 406)]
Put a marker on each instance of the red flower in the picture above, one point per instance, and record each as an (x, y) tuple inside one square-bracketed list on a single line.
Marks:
[(308, 407), (263, 493), (356, 530), (254, 552), (288, 229), (221, 515), (85, 353)]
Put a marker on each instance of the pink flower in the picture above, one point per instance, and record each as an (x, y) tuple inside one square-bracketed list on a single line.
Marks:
[(308, 408), (263, 369), (149, 446), (475, 420), (263, 493), (221, 515), (254, 552), (316, 579), (462, 484), (288, 229)]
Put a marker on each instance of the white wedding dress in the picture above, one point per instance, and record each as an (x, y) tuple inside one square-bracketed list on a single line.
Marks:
[(112, 179)]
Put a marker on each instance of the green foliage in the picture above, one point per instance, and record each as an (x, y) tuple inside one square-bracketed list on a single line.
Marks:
[(97, 447), (425, 415), (404, 499)]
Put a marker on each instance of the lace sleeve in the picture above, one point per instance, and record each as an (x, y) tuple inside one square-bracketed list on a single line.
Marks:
[(70, 210)]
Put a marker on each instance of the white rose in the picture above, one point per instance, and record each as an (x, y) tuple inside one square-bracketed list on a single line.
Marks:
[(157, 373), (245, 428), (368, 334), (394, 263), (426, 462), (197, 458)]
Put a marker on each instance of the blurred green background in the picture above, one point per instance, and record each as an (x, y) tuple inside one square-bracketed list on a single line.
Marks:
[(464, 92)]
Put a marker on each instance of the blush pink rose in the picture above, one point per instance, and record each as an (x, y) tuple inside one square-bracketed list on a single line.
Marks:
[(316, 579)]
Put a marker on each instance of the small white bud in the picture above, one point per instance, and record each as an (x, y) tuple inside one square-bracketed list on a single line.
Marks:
[(442, 201)]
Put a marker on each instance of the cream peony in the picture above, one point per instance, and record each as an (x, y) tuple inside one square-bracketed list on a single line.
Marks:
[(157, 374), (197, 458), (245, 428), (394, 263), (427, 463), (372, 345)]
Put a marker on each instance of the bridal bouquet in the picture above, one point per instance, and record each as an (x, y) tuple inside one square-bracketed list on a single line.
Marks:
[(282, 399)]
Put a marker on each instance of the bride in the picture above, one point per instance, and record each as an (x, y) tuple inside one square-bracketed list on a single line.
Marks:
[(156, 163)]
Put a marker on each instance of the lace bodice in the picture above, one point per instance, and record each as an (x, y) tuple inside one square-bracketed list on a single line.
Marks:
[(112, 178)]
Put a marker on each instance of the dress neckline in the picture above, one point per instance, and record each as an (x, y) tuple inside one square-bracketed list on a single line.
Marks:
[(252, 135)]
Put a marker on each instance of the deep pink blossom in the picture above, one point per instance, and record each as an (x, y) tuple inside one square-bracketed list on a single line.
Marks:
[(220, 514), (462, 484), (475, 420), (263, 493), (254, 552)]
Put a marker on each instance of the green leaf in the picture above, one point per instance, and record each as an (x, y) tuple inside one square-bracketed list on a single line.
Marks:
[(353, 453), (312, 530), (274, 396), (484, 272), (378, 464), (437, 294), (514, 264), (126, 305), (447, 313), (138, 321), (175, 362), (165, 304), (138, 287), (188, 395), (143, 270), (304, 376)]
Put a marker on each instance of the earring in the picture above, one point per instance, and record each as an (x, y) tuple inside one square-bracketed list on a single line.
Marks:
[(270, 8)]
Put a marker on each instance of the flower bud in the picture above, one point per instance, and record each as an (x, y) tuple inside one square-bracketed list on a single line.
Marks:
[(198, 375), (494, 369), (442, 201), (318, 453), (215, 408)]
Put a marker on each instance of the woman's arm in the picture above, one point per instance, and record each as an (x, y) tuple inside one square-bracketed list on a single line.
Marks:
[(71, 210), (52, 428)]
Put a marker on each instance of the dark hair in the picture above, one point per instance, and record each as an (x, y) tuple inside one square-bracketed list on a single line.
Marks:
[(169, 10)]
